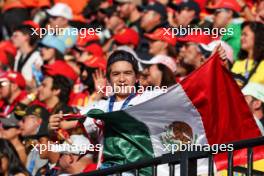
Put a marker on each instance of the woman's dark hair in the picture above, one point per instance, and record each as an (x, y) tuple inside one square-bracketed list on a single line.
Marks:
[(58, 55), (64, 85), (258, 50), (121, 55), (89, 79), (15, 165), (168, 78), (28, 30)]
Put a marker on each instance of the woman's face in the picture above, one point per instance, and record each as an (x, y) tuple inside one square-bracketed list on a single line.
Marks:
[(247, 39), (154, 75)]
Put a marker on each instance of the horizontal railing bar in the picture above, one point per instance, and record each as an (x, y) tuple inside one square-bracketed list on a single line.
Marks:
[(172, 158)]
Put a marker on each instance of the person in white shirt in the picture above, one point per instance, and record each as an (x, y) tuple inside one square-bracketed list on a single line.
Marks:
[(122, 74), (27, 56)]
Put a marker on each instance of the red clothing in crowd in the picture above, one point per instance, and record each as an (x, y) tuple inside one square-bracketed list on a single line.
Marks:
[(8, 108), (90, 167)]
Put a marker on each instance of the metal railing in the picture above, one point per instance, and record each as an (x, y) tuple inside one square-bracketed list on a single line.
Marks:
[(188, 162)]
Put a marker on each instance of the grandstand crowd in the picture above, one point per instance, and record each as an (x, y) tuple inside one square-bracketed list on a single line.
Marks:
[(59, 57)]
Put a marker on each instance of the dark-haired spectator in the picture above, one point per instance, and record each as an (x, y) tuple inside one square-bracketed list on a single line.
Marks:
[(129, 10), (186, 13), (122, 71), (54, 93), (250, 66), (25, 40), (9, 130), (10, 162)]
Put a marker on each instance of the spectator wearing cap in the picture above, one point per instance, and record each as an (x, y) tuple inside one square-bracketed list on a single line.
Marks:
[(129, 10), (7, 55), (92, 63), (52, 50), (9, 130), (190, 55), (250, 65), (127, 37), (25, 40), (12, 91), (187, 13), (77, 158), (59, 16), (224, 14), (54, 93), (161, 43), (154, 16), (34, 125), (254, 95), (160, 70)]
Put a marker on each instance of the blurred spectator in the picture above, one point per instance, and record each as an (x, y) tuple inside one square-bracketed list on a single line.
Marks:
[(10, 131), (54, 92), (12, 91), (59, 16), (129, 10), (224, 14), (34, 125), (260, 12), (254, 95), (249, 67), (187, 13), (77, 160), (154, 16), (10, 162), (229, 51), (8, 52), (51, 48), (161, 43), (191, 56), (160, 71), (25, 40), (127, 37)]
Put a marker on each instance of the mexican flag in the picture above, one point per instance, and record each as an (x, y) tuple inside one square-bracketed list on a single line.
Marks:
[(205, 108)]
